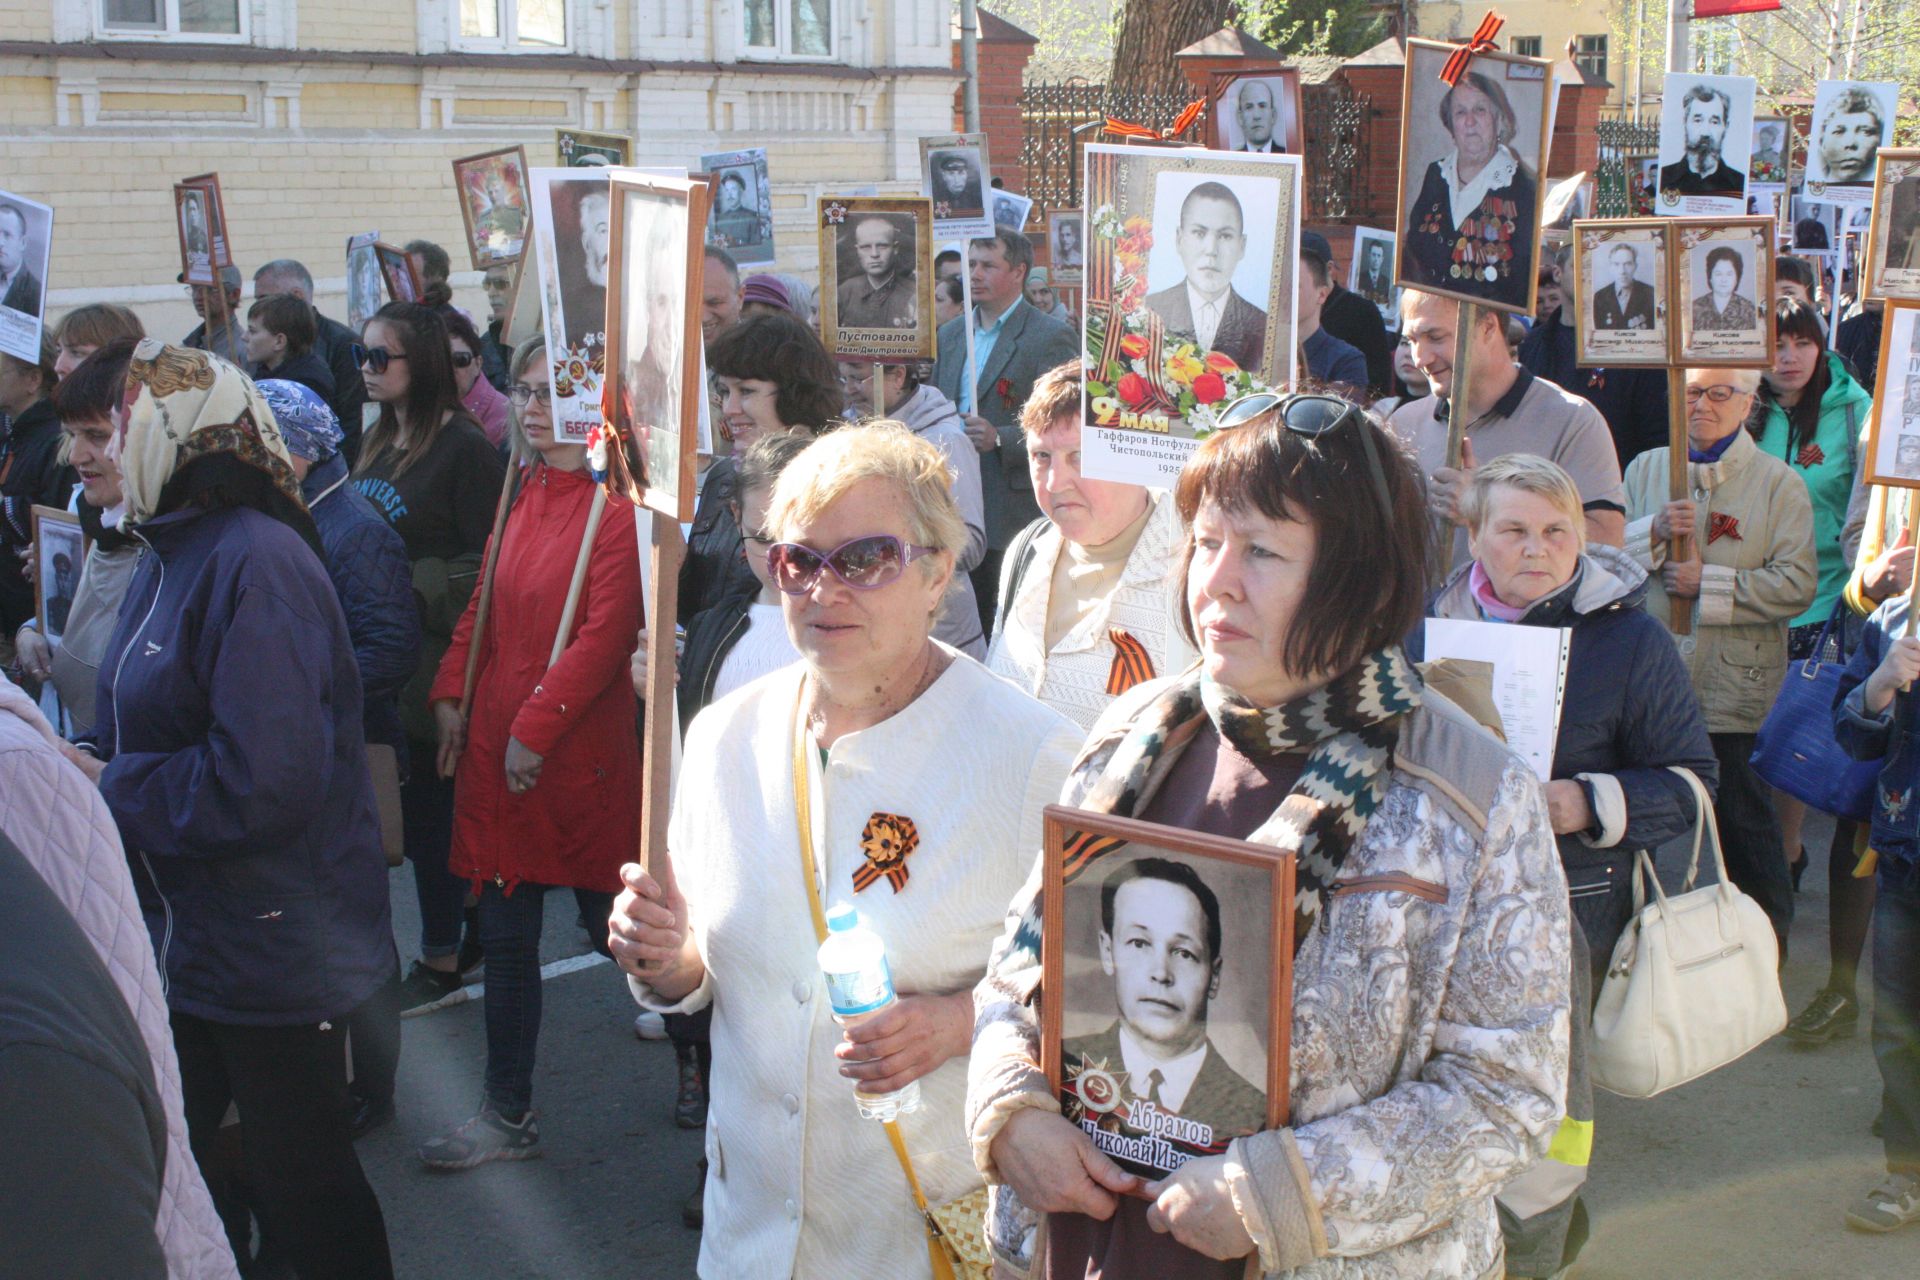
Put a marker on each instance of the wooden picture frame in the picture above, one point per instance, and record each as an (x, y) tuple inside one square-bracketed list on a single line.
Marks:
[(654, 280), (497, 232), (745, 232), (56, 532), (364, 279), (1893, 425), (401, 274), (1895, 228), (192, 228), (217, 212), (1498, 264), (1699, 238), (1641, 333), (965, 214), (581, 149), (1081, 852), (522, 321), (1225, 132), (909, 333), (1069, 270)]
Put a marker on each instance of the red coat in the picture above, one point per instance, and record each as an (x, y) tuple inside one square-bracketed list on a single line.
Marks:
[(582, 819)]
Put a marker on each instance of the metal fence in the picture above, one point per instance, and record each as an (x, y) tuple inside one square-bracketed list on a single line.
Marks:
[(1059, 117), (1623, 144)]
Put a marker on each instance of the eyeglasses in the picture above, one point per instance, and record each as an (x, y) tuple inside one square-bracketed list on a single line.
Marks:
[(865, 564), (1719, 394), (1311, 416), (520, 393), (462, 359), (760, 536), (376, 358)]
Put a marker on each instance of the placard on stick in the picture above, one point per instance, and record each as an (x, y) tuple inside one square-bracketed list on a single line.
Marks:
[(1893, 252), (23, 302), (492, 187), (876, 277)]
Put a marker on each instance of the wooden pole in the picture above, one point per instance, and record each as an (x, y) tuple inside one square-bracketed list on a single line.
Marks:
[(1457, 403), (879, 390), (656, 795), (1679, 612), (579, 581), (509, 486)]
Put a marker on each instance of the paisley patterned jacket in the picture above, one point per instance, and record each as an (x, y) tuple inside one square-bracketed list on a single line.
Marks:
[(1430, 1024)]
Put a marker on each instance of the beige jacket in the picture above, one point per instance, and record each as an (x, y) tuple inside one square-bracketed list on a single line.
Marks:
[(1754, 533)]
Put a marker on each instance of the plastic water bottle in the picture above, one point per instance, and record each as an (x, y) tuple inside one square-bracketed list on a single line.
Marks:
[(859, 986)]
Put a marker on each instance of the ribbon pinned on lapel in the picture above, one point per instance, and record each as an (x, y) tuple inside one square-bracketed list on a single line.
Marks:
[(887, 839), (1131, 665), (1482, 42)]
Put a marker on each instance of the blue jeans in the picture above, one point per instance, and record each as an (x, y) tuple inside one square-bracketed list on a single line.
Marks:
[(1896, 1010), (510, 932), (426, 812)]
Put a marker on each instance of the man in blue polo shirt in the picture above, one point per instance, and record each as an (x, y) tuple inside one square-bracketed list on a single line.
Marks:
[(1328, 358)]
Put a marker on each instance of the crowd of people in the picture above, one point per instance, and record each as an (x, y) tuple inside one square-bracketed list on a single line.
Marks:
[(329, 619)]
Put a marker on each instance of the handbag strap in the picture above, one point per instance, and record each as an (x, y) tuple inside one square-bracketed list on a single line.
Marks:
[(803, 813), (1706, 822)]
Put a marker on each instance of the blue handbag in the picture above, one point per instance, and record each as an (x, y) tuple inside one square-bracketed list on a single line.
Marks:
[(1796, 750)]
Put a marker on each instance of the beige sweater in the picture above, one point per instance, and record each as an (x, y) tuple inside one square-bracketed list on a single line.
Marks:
[(1754, 533)]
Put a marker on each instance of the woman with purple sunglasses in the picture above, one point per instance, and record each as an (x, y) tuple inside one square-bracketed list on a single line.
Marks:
[(924, 777)]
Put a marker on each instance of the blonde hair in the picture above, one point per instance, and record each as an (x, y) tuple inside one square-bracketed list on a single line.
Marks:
[(1528, 473), (884, 450)]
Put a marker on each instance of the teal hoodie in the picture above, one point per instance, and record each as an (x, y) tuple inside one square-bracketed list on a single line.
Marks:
[(1828, 465)]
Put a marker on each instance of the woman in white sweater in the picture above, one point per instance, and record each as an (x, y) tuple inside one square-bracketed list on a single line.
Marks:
[(886, 728)]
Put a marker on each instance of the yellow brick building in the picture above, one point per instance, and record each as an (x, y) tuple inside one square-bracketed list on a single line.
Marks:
[(325, 118)]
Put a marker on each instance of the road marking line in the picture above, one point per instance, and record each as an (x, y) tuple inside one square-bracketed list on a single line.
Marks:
[(475, 990)]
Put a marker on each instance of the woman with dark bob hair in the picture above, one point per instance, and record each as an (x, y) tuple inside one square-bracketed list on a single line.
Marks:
[(1720, 307), (772, 374), (1424, 851)]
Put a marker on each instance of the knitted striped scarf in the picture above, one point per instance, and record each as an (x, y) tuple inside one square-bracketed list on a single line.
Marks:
[(1348, 728)]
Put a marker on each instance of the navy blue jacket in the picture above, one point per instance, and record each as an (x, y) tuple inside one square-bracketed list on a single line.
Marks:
[(1629, 712), (1633, 401), (367, 561), (229, 715), (1891, 737)]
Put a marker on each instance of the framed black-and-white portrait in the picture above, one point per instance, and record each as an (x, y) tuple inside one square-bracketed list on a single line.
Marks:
[(1009, 211), (363, 279), (876, 277), (1471, 159), (1190, 299), (579, 149), (1893, 257), (1166, 989), (1255, 109), (26, 244), (1371, 272), (1723, 292), (740, 214), (59, 551), (194, 224), (653, 332), (219, 245), (1852, 120), (1621, 279), (956, 176), (1893, 440), (1706, 130), (1067, 246)]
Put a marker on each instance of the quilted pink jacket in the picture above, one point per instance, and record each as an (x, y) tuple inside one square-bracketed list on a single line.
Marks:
[(50, 810)]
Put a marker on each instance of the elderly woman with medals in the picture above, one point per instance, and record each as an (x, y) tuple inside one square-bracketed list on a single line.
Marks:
[(885, 770), (1471, 227)]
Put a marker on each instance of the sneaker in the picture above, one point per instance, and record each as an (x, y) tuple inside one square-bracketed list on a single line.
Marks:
[(425, 989), (488, 1136), (690, 1103), (1833, 1015), (1894, 1203), (650, 1026)]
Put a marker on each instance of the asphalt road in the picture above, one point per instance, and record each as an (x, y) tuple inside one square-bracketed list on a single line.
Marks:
[(1742, 1174)]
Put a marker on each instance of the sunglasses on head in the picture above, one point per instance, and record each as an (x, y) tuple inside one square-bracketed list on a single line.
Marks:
[(865, 563), (1311, 416), (376, 358)]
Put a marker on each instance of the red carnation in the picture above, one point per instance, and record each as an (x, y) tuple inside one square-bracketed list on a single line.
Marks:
[(1209, 387), (1133, 390)]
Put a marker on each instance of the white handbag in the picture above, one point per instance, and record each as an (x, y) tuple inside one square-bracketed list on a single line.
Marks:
[(1694, 981)]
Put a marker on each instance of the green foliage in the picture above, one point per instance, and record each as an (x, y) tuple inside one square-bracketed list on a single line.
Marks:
[(1076, 36), (1315, 28)]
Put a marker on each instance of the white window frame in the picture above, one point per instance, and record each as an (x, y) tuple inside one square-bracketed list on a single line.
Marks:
[(782, 50), (1582, 56), (170, 30), (1513, 46), (508, 41)]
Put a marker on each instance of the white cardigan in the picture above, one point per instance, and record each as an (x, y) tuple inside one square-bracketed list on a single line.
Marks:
[(799, 1185), (1072, 678)]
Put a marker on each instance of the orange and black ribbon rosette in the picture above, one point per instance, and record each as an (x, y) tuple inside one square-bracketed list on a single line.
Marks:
[(1127, 129), (1482, 42), (887, 839)]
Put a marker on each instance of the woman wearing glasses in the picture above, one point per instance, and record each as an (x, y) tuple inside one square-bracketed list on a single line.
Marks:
[(427, 467), (487, 406), (546, 768), (1748, 568), (1431, 950), (925, 777)]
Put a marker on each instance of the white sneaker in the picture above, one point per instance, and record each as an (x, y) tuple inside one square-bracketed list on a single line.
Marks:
[(650, 1026)]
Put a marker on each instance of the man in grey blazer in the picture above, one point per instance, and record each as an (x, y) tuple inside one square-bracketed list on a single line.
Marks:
[(1013, 345)]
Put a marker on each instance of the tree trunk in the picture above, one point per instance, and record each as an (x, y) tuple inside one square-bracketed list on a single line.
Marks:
[(1151, 32)]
